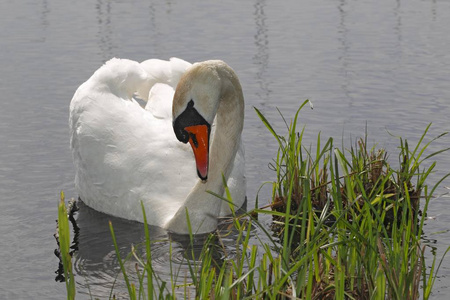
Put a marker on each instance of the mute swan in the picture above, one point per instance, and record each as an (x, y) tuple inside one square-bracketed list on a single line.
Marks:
[(124, 154)]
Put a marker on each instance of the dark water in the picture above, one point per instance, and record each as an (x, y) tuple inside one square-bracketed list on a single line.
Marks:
[(384, 63)]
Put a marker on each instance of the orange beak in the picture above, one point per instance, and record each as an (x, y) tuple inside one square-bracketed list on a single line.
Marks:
[(199, 140)]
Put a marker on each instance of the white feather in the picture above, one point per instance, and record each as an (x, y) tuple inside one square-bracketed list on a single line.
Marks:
[(124, 154)]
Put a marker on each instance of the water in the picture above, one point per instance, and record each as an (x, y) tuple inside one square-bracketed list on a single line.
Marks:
[(384, 63)]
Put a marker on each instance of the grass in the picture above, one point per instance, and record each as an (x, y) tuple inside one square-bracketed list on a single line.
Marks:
[(63, 238), (346, 224)]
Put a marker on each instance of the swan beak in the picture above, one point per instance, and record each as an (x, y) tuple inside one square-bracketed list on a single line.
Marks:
[(199, 140)]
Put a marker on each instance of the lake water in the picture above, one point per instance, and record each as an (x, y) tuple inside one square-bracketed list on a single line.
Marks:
[(381, 63)]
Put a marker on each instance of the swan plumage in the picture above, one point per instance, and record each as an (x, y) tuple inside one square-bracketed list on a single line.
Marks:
[(125, 153)]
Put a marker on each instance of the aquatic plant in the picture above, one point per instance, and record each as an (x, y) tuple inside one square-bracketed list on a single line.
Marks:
[(358, 217), (63, 252), (346, 224)]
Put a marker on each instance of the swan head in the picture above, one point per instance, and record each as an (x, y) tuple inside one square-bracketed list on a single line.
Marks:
[(194, 107)]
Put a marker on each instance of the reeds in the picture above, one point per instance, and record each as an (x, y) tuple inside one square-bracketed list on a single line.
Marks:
[(346, 225), (65, 255)]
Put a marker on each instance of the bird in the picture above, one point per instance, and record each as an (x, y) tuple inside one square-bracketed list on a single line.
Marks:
[(164, 133)]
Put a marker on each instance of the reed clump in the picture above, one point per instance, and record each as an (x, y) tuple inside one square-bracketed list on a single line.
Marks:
[(359, 216), (346, 225), (368, 176)]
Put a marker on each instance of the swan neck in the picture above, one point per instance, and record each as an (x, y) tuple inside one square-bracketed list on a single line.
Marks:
[(226, 140), (203, 207)]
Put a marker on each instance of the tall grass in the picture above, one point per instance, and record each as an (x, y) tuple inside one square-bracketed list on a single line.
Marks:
[(346, 224), (358, 215), (65, 255)]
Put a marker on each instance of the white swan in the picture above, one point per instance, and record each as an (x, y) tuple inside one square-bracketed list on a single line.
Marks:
[(124, 154)]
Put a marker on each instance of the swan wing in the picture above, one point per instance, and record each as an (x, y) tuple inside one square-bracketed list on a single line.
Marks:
[(124, 154), (163, 71)]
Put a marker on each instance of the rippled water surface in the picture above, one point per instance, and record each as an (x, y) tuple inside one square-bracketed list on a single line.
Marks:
[(381, 63)]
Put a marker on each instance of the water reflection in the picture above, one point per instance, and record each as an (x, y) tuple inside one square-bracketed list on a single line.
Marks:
[(154, 29), (105, 31), (95, 261), (261, 58), (44, 14), (433, 9), (398, 26), (343, 58)]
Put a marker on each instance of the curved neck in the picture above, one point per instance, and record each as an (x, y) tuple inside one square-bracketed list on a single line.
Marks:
[(203, 207), (229, 125)]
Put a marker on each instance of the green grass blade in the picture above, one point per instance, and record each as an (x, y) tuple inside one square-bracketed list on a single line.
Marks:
[(64, 244), (131, 289)]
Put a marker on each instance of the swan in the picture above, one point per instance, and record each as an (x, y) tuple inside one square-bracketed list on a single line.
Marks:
[(168, 150)]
